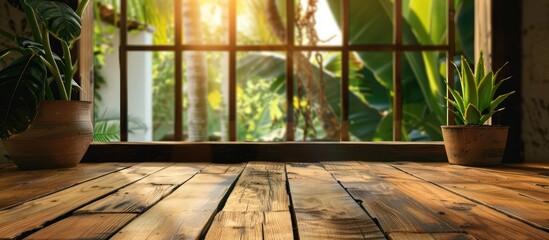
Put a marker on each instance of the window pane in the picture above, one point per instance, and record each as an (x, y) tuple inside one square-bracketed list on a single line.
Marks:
[(163, 95), (140, 95), (261, 23), (205, 21), (106, 88), (370, 98), (371, 22), (150, 22), (424, 22), (423, 91), (317, 96), (206, 97), (316, 23), (261, 96)]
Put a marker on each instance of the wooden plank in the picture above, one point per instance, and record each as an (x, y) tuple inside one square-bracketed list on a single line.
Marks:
[(539, 168), (251, 225), (505, 200), (139, 196), (88, 226), (258, 206), (185, 213), (261, 187), (14, 176), (33, 214), (477, 220), (6, 165), (27, 185), (534, 166), (224, 168), (430, 236), (323, 209), (394, 211), (530, 185)]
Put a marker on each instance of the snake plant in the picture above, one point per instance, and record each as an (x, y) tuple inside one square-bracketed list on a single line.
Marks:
[(477, 100), (38, 73)]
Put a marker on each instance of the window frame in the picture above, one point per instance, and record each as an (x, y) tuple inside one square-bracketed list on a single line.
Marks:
[(397, 48)]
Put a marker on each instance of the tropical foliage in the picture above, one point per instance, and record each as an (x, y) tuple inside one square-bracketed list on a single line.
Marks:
[(261, 75), (39, 72)]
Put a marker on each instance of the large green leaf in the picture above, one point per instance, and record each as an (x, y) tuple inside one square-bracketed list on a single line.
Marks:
[(60, 19), (371, 23), (21, 90)]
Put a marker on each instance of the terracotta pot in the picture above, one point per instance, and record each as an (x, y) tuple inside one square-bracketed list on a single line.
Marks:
[(57, 138), (475, 145)]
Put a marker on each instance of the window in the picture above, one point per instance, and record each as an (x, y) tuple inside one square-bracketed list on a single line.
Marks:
[(361, 70)]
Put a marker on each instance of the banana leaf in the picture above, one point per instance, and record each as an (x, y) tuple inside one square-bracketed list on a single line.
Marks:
[(22, 87)]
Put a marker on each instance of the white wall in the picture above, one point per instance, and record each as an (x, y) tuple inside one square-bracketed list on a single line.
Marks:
[(139, 84)]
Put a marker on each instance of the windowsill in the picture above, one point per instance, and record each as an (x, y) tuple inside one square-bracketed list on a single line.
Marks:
[(265, 151)]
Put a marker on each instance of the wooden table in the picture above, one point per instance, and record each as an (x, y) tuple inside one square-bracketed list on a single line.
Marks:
[(272, 200)]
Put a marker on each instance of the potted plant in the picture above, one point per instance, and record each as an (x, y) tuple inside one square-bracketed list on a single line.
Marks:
[(39, 124), (470, 142)]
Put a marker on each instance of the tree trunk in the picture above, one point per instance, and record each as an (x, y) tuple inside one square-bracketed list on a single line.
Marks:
[(196, 74)]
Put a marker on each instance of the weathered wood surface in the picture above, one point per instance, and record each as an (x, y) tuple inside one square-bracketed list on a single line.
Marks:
[(146, 192), (526, 183), (224, 168), (261, 187), (258, 206), (395, 211), (33, 214), (251, 225), (268, 200), (186, 212), (475, 219), (28, 185), (503, 199), (430, 236), (323, 209), (88, 226)]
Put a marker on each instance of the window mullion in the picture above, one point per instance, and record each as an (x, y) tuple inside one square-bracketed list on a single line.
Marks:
[(178, 71), (449, 58), (290, 133), (123, 57), (344, 129), (232, 70), (397, 70)]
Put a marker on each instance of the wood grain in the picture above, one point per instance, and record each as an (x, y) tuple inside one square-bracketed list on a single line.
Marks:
[(258, 206), (323, 209), (28, 185), (251, 225), (224, 168), (89, 226), (185, 213), (430, 236), (14, 177), (477, 220), (261, 187), (527, 184), (509, 201), (395, 211), (33, 214), (139, 196)]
